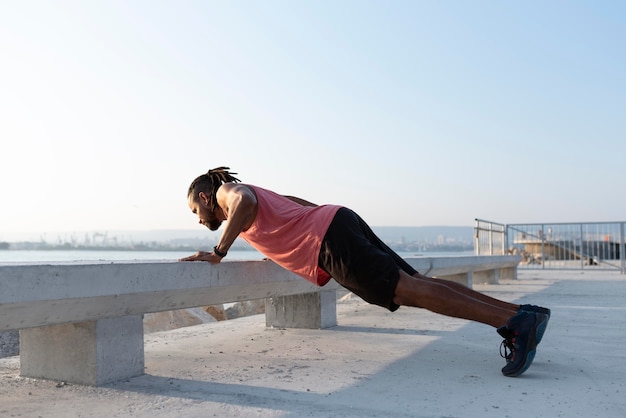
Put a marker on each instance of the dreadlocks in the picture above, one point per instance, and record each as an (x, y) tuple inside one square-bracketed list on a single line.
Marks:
[(210, 182)]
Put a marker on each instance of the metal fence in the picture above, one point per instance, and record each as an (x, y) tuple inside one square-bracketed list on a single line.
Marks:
[(591, 245)]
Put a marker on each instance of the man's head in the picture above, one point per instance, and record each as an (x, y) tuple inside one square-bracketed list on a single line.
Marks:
[(201, 196)]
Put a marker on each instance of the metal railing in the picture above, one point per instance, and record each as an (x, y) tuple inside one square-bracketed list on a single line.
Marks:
[(489, 238), (589, 245)]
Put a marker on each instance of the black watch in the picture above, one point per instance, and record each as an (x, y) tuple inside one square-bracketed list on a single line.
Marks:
[(219, 253)]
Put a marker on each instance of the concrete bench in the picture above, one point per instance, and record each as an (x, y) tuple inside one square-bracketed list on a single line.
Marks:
[(469, 269), (83, 322)]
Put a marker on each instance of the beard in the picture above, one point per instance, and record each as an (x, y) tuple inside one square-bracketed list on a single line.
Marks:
[(213, 224)]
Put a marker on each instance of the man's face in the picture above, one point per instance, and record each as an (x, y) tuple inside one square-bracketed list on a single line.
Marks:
[(206, 216)]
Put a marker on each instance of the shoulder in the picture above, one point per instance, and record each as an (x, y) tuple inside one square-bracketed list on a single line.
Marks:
[(227, 190), (235, 188)]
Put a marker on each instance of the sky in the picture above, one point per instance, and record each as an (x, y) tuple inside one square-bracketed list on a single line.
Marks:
[(412, 113)]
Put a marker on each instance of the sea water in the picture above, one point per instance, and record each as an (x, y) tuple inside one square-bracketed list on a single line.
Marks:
[(36, 256)]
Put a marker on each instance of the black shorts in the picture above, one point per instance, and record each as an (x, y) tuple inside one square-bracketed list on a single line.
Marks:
[(359, 261)]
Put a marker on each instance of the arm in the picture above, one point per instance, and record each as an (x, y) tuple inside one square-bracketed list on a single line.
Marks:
[(239, 203)]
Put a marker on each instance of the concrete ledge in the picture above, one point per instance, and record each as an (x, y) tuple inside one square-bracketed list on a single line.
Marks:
[(467, 270), (81, 322), (38, 295)]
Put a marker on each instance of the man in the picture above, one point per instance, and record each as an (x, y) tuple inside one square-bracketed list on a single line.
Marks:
[(320, 242)]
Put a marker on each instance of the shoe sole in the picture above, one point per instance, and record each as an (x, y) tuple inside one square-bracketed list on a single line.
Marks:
[(529, 360)]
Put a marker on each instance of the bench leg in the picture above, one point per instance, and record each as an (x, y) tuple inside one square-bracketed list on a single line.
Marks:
[(508, 273), (88, 353), (311, 310), (487, 276)]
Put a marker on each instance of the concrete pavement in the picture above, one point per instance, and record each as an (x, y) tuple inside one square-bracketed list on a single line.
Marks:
[(411, 363)]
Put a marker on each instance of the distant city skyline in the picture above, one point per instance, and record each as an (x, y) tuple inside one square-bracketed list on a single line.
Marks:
[(408, 112), (102, 238), (403, 239)]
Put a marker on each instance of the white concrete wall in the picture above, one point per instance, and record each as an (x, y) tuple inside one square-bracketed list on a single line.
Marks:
[(38, 295), (81, 322)]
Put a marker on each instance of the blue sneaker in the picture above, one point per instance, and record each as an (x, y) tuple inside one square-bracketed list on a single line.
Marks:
[(520, 341), (541, 328)]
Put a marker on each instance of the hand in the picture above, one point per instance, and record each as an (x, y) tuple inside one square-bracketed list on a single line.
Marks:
[(203, 256)]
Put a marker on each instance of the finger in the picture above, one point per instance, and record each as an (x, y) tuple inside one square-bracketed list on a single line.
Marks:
[(190, 258)]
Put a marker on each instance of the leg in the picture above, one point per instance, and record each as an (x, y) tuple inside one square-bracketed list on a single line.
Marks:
[(451, 299), (469, 292)]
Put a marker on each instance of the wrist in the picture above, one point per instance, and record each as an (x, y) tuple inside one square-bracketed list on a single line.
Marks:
[(219, 253)]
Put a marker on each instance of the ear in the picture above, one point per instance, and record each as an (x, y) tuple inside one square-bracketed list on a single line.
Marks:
[(203, 198)]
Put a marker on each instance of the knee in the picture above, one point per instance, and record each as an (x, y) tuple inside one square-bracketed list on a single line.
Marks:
[(411, 290)]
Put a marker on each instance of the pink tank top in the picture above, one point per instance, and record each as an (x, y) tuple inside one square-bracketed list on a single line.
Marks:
[(290, 234)]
